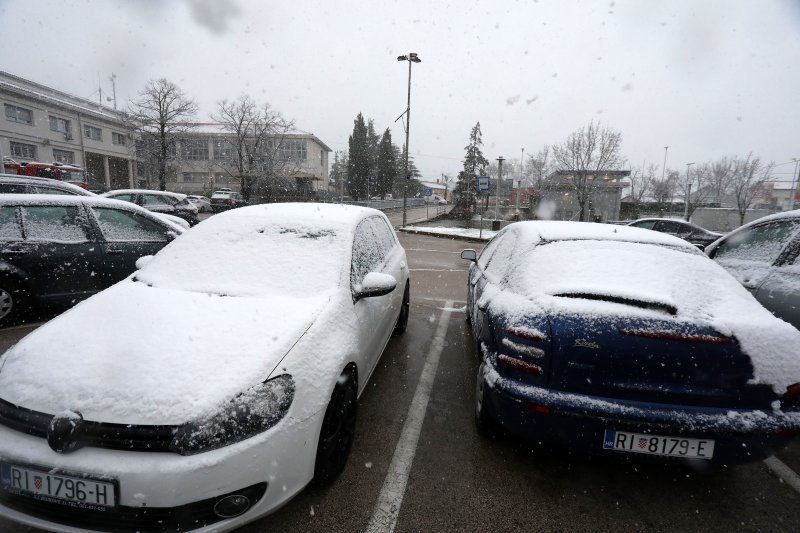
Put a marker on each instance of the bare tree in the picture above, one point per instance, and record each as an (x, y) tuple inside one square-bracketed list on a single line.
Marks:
[(663, 191), (749, 175), (586, 154), (160, 115), (720, 179), (254, 151), (693, 187), (642, 183)]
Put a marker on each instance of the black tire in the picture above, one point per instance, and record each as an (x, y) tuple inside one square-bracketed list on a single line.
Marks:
[(402, 318), (483, 422), (338, 429), (13, 301)]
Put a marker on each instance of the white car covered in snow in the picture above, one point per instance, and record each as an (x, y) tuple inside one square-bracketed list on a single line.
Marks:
[(223, 380)]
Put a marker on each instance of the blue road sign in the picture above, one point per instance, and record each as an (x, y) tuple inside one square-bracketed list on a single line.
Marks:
[(428, 191), (483, 183)]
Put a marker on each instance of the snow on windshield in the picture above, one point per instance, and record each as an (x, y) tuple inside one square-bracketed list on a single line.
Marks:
[(257, 252)]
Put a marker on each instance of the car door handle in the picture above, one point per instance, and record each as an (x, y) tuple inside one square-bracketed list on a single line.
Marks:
[(15, 252), (113, 251)]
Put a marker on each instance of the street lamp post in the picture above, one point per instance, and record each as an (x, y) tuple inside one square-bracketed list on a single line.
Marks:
[(795, 176), (688, 193), (497, 187), (664, 166), (411, 58)]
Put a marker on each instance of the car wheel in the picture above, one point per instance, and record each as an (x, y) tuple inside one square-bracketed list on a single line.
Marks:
[(402, 318), (336, 435), (483, 422), (12, 300)]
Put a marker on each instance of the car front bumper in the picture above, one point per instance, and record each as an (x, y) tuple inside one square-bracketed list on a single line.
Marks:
[(580, 422), (168, 489)]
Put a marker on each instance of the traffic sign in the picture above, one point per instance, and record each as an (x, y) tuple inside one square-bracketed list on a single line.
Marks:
[(483, 183), (428, 191)]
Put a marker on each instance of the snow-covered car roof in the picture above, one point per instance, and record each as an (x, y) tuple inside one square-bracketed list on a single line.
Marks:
[(593, 270), (177, 195), (288, 249), (35, 180), (554, 230)]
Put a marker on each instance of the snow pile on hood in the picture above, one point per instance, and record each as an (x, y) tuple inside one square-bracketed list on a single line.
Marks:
[(696, 288), (155, 356)]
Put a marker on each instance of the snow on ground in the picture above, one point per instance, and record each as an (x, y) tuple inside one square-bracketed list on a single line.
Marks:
[(472, 233)]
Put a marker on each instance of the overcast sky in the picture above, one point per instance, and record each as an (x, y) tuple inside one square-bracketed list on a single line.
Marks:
[(707, 78)]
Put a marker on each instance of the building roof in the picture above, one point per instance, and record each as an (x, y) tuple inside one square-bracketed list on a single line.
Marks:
[(217, 128), (37, 91)]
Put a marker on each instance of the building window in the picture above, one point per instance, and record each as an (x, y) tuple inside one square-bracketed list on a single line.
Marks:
[(193, 177), (292, 149), (19, 114), (196, 150), (223, 150), (64, 156), (61, 125), (92, 132), (26, 151), (117, 138)]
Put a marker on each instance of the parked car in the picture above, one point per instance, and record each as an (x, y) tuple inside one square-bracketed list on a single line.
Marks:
[(12, 184), (57, 250), (680, 228), (203, 429), (171, 203), (621, 341), (202, 203), (763, 256), (224, 199)]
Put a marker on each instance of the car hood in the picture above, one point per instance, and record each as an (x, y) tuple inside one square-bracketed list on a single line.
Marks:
[(135, 354)]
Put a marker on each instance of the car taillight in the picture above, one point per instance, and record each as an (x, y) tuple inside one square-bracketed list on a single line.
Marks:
[(793, 391), (676, 336), (529, 334), (519, 365)]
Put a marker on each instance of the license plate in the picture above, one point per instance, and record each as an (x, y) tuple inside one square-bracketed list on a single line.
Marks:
[(658, 444), (74, 491)]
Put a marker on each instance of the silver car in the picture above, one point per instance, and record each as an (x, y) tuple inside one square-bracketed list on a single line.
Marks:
[(763, 256)]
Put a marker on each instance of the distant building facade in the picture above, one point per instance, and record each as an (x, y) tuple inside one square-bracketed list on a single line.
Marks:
[(43, 124)]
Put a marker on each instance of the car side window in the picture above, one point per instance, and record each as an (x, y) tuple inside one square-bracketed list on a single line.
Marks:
[(54, 223), (669, 226), (385, 234), (759, 244), (156, 199), (50, 190), (10, 230), (12, 188), (367, 253), (501, 258), (645, 224), (118, 225), (487, 252), (125, 197)]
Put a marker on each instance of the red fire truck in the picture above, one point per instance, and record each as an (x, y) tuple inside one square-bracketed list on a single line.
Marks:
[(57, 171)]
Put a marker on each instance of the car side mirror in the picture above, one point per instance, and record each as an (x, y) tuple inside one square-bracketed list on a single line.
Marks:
[(142, 261), (470, 255), (171, 235), (375, 284)]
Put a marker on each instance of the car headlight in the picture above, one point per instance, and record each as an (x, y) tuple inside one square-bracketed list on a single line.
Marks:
[(248, 414)]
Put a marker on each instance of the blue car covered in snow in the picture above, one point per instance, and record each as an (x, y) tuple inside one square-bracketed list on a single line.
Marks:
[(622, 341)]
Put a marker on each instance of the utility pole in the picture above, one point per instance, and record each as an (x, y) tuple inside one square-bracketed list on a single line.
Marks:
[(114, 89), (664, 166), (688, 193), (797, 176), (497, 187)]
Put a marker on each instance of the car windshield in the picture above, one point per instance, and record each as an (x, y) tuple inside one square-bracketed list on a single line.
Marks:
[(247, 257)]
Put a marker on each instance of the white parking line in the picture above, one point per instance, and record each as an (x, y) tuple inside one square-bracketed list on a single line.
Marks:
[(783, 472), (438, 269), (384, 517)]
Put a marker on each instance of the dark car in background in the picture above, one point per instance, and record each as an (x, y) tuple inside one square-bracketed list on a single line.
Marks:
[(618, 341), (764, 256), (12, 184), (224, 199), (58, 250), (687, 231), (170, 203)]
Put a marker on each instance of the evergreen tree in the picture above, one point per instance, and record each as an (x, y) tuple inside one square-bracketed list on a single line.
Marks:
[(338, 175), (387, 165), (474, 165), (359, 163), (414, 187), (373, 140)]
